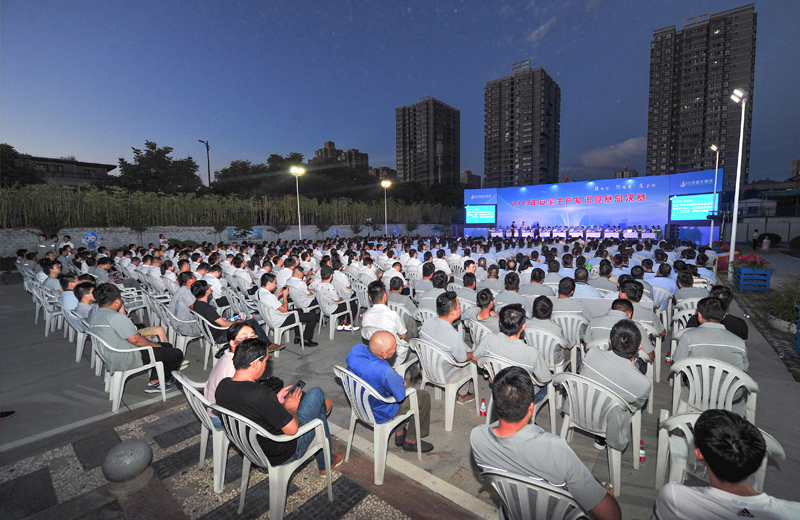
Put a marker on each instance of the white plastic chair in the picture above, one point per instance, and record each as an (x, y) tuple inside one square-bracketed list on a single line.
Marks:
[(219, 441), (400, 309), (711, 384), (494, 364), (76, 330), (548, 343), (422, 314), (433, 361), (686, 304), (333, 317), (115, 381), (179, 339), (244, 434), (274, 320), (589, 406), (676, 455), (477, 331), (525, 497), (660, 295), (48, 303), (209, 333), (358, 393)]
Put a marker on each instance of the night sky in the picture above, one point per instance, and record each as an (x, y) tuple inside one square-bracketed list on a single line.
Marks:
[(94, 78)]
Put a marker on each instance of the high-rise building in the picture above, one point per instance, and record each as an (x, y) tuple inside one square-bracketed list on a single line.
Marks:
[(470, 181), (625, 173), (352, 157), (692, 75), (522, 133), (428, 142), (383, 172)]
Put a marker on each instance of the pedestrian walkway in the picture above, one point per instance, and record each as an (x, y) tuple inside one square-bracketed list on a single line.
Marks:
[(63, 428)]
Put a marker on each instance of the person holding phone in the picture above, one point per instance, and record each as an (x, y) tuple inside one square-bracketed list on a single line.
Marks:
[(281, 412)]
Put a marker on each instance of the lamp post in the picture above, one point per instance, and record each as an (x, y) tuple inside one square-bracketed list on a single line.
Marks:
[(714, 148), (208, 160), (739, 97), (385, 184), (297, 171)]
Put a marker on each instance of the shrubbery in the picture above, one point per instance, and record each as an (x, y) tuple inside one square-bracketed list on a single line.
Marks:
[(774, 239), (795, 243)]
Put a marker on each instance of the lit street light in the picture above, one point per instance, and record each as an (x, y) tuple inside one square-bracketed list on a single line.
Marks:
[(208, 160), (385, 184), (297, 171), (739, 97), (714, 148)]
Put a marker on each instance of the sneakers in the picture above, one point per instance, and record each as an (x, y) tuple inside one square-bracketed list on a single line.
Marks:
[(328, 407), (350, 328), (154, 388), (399, 440), (426, 446), (337, 460), (184, 364), (599, 442)]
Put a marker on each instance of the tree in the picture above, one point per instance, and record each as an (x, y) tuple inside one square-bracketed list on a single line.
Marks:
[(18, 168), (241, 177), (154, 169)]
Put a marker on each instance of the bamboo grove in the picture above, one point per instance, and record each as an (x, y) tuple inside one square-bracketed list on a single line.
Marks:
[(50, 206)]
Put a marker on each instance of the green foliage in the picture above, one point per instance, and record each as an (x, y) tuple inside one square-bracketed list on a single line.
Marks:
[(780, 302), (356, 228), (153, 169), (411, 227), (179, 242), (18, 168), (795, 243), (774, 238), (243, 228), (242, 177)]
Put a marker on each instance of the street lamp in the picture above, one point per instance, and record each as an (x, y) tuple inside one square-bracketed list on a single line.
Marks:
[(208, 160), (714, 148), (385, 184), (297, 171), (739, 97)]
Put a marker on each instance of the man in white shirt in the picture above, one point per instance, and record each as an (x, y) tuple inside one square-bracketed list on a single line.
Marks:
[(382, 317), (732, 449), (283, 274), (280, 303)]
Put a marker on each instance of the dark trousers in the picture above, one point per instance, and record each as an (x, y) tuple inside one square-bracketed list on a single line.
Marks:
[(755, 244), (309, 319), (343, 306), (424, 401), (167, 354)]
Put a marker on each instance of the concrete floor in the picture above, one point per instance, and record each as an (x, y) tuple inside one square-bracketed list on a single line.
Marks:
[(51, 393)]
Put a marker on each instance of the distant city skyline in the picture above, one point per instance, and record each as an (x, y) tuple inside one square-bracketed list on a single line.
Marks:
[(93, 79)]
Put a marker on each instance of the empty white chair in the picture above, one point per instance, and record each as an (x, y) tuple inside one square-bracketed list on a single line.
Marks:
[(676, 455), (244, 434), (47, 302), (711, 384), (589, 406), (115, 381), (433, 361), (358, 393), (529, 498), (219, 441)]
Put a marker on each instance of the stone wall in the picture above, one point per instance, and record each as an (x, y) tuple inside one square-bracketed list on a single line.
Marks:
[(13, 239)]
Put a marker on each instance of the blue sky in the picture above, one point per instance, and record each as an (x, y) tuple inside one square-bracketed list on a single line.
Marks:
[(95, 78)]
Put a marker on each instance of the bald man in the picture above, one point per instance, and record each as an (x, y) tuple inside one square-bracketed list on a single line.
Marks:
[(371, 364)]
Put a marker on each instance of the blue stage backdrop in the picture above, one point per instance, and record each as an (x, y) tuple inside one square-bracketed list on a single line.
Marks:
[(607, 202)]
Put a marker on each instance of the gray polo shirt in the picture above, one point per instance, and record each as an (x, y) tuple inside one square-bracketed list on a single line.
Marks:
[(603, 283), (600, 328), (510, 297), (712, 340), (492, 322), (115, 328), (517, 351), (584, 290), (536, 289), (532, 451), (179, 306), (467, 294), (494, 284), (445, 336), (571, 305)]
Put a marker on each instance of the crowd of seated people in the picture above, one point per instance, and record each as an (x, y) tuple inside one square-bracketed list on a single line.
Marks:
[(508, 285)]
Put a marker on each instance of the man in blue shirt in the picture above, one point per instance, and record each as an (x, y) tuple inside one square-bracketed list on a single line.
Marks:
[(370, 364)]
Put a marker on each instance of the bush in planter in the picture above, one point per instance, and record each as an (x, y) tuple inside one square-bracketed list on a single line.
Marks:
[(752, 261), (780, 302), (795, 243), (774, 239)]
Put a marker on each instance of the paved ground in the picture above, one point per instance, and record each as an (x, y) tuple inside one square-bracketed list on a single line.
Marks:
[(63, 427)]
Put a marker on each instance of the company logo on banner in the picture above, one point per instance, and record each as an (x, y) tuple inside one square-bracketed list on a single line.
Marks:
[(485, 196), (694, 182)]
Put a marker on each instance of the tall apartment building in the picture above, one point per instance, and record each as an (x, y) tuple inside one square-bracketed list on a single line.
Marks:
[(522, 132), (625, 173), (470, 181), (428, 142), (352, 157), (692, 74)]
